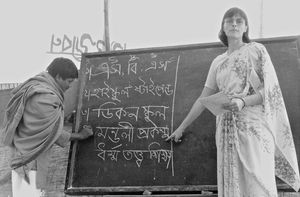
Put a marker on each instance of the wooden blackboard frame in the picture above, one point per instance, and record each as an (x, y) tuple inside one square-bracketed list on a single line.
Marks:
[(71, 190)]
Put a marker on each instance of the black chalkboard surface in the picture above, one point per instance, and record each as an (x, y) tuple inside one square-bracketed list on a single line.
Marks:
[(134, 99)]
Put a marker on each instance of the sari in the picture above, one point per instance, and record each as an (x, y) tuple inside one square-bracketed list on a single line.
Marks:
[(255, 144)]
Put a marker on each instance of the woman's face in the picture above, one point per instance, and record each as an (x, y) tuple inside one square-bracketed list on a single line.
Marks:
[(234, 27)]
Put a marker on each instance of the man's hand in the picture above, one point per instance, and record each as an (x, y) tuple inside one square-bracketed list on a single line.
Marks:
[(85, 132)]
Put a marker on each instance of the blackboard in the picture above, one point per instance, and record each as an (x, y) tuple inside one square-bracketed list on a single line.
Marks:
[(135, 98)]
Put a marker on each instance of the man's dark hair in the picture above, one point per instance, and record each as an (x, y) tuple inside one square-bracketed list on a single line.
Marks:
[(63, 67), (228, 14)]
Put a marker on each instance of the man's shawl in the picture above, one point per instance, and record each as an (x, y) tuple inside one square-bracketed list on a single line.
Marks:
[(49, 129)]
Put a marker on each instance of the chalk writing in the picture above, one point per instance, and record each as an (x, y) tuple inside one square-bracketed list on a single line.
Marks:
[(161, 64), (125, 131), (86, 113), (144, 132), (123, 100), (115, 93), (131, 112), (108, 91), (153, 153), (153, 88), (134, 66)]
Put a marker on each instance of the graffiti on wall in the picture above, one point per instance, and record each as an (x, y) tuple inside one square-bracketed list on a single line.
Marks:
[(75, 46)]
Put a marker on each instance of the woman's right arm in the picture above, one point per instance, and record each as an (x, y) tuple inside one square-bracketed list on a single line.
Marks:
[(195, 111)]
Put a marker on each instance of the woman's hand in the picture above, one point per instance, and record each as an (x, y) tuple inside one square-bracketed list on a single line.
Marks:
[(176, 135), (235, 105)]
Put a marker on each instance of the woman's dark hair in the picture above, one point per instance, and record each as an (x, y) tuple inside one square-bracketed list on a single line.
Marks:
[(63, 67), (228, 14)]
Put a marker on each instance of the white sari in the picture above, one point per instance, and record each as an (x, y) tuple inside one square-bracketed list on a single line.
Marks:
[(249, 140)]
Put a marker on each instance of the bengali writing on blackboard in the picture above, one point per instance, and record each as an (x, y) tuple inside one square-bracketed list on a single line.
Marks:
[(129, 101)]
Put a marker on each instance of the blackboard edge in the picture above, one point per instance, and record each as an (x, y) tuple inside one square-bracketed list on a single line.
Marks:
[(185, 47), (172, 189), (73, 146)]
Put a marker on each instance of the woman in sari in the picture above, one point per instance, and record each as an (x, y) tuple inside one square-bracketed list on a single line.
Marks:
[(253, 138)]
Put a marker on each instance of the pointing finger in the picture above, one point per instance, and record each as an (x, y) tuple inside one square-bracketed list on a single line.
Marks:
[(169, 138)]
